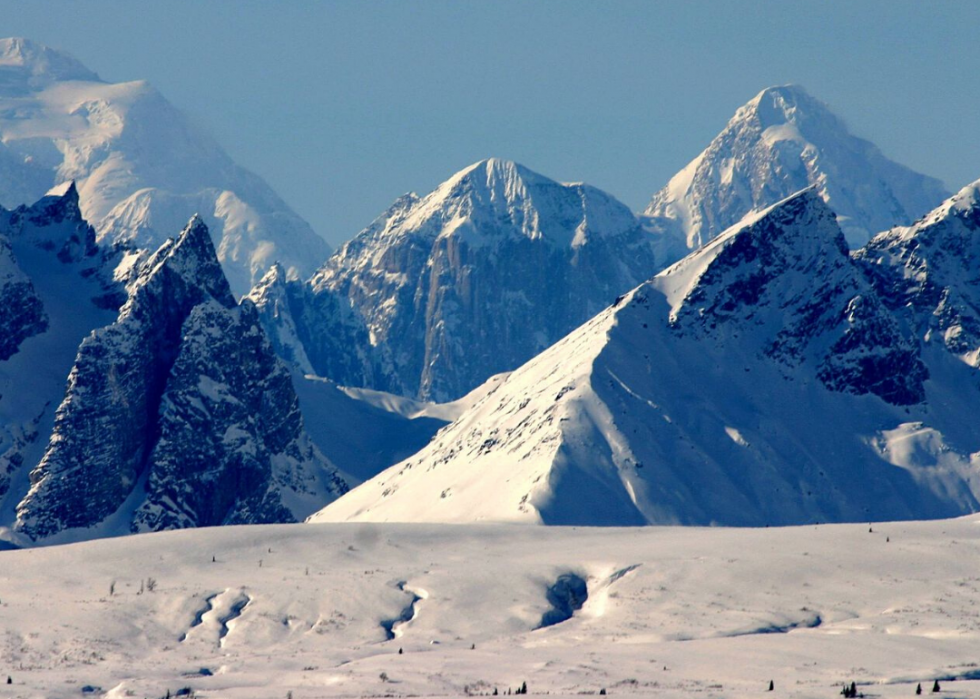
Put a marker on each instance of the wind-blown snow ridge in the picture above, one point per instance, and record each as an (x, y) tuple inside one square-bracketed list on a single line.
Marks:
[(780, 142)]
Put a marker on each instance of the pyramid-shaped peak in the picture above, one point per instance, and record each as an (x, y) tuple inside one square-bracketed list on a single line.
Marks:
[(59, 203), (195, 236), (798, 233), (192, 256), (779, 142), (801, 218), (26, 63)]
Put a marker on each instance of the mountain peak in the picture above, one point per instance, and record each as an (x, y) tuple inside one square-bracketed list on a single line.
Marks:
[(780, 142), (26, 64), (788, 104), (192, 257), (496, 173), (795, 233), (59, 203)]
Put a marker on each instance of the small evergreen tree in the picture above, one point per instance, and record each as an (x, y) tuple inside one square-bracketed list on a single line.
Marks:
[(771, 686), (918, 689), (935, 686)]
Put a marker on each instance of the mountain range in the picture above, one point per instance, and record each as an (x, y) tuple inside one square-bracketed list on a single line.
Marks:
[(506, 347), (767, 378)]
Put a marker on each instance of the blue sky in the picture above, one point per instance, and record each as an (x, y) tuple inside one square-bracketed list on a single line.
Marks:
[(343, 106)]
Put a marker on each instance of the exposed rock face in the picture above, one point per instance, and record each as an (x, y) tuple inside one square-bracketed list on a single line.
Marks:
[(231, 447), (320, 333), (133, 405), (928, 273), (483, 273), (783, 141), (22, 314), (761, 380), (788, 277), (56, 286)]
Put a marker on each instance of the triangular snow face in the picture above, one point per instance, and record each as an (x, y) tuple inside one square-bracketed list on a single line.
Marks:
[(782, 141), (485, 272), (758, 381), (141, 167), (178, 414), (929, 273)]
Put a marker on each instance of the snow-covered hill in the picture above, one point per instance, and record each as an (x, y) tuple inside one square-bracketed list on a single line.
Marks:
[(142, 168), (782, 141), (761, 380), (308, 610), (481, 274)]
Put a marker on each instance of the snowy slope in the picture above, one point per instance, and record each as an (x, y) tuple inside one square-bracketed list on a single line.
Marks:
[(142, 168), (363, 432), (482, 274), (759, 381), (672, 612), (780, 142)]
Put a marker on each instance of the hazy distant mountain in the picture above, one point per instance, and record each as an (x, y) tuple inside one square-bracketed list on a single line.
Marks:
[(480, 275), (782, 141), (141, 166)]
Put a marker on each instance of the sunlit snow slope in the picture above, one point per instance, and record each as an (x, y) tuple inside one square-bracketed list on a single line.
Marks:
[(761, 380)]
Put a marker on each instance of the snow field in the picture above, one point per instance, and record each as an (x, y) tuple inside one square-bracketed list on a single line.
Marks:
[(302, 608)]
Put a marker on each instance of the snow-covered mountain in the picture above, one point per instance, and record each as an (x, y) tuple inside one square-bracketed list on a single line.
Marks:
[(176, 414), (141, 166), (930, 274), (480, 275), (761, 380), (782, 141)]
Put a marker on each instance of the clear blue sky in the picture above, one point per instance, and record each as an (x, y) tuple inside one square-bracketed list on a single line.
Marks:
[(343, 106)]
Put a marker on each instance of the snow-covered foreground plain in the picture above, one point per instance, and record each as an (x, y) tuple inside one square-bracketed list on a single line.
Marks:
[(670, 611)]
